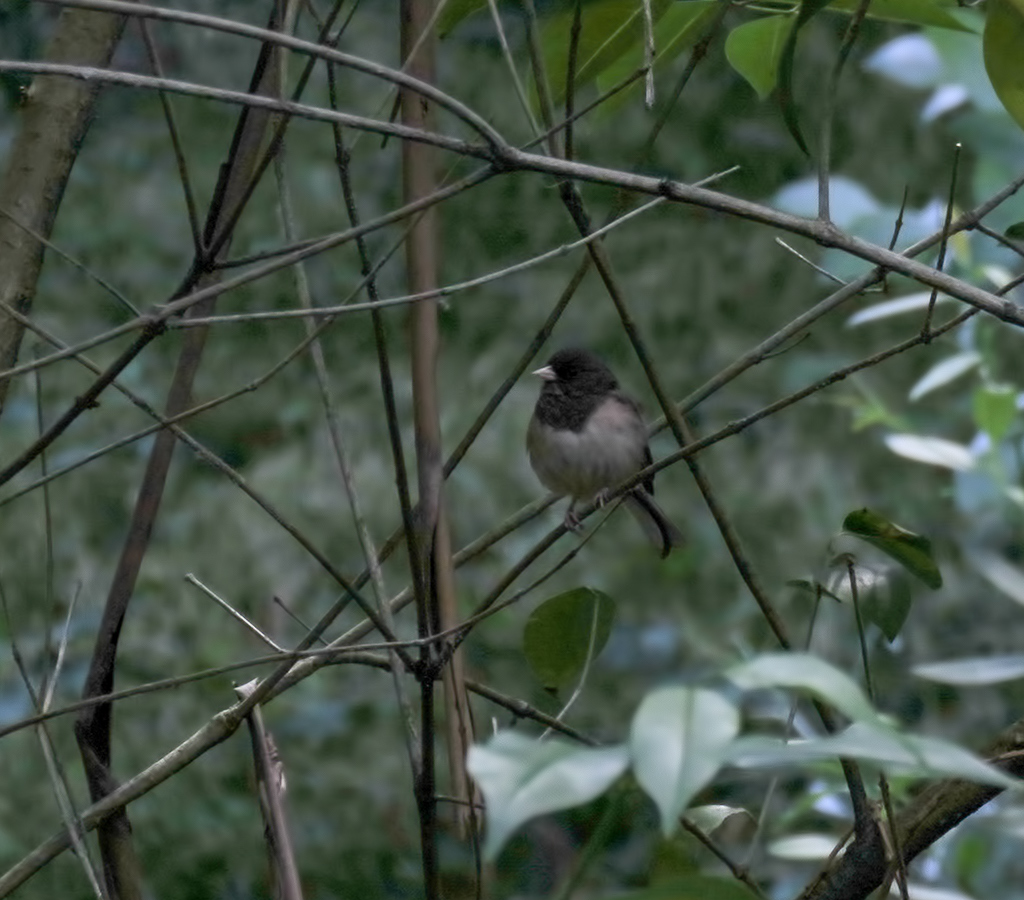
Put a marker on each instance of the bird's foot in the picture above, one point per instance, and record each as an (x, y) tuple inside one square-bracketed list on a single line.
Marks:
[(572, 521), (601, 498)]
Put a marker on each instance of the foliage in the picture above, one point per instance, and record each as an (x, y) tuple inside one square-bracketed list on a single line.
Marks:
[(684, 712)]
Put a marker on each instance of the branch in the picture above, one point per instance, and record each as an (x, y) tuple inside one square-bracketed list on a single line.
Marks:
[(53, 124), (279, 39), (936, 810), (241, 98)]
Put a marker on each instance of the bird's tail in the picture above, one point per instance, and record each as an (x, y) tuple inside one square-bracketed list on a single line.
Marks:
[(658, 527)]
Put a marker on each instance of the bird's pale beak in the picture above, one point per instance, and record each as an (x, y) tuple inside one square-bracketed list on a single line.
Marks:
[(545, 372)]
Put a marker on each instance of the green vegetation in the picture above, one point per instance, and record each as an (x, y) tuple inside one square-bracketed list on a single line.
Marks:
[(728, 715)]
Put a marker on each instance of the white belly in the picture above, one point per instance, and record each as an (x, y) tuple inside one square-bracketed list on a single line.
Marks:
[(608, 450)]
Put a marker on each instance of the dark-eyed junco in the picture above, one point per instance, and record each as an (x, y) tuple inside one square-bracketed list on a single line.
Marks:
[(586, 436)]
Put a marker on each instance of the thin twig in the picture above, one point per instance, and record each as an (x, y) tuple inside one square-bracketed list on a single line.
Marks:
[(831, 94), (582, 681), (78, 264), (926, 327), (270, 783), (898, 224), (464, 628), (49, 595), (58, 665), (570, 74), (176, 146), (540, 75), (738, 872), (162, 421), (217, 239), (1000, 238), (444, 291), (899, 864), (508, 158), (234, 613), (851, 573), (330, 655), (520, 708), (334, 425), (800, 323), (648, 53), (506, 52), (698, 54), (58, 777), (154, 325), (833, 278), (321, 51)]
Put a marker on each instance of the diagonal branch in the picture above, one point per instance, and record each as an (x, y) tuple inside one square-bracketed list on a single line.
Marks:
[(271, 38), (53, 123), (92, 729)]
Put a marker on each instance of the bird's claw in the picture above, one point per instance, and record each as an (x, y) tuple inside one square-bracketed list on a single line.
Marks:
[(572, 521)]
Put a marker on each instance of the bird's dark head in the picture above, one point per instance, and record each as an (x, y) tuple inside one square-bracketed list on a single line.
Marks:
[(578, 367)]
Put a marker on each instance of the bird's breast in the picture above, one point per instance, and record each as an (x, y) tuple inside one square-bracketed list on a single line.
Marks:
[(608, 449)]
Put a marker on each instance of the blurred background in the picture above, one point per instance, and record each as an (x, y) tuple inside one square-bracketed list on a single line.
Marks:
[(703, 288)]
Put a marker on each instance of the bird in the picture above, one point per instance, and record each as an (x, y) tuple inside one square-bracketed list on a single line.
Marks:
[(586, 436)]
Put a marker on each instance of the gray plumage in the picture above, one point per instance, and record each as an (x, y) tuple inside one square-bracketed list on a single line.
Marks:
[(586, 436)]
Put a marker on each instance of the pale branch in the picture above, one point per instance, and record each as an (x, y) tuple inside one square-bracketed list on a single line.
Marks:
[(504, 158), (950, 202), (220, 727), (174, 135), (155, 323), (67, 257), (54, 118), (760, 352), (444, 291), (277, 38), (242, 98)]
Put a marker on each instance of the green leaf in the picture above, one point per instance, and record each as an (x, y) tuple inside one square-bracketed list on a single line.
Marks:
[(694, 887), (563, 633), (801, 671), (911, 12), (998, 276), (708, 818), (943, 372), (978, 670), (678, 29), (867, 408), (1015, 232), (876, 743), (1002, 575), (455, 11), (886, 603), (1004, 37), (755, 48), (995, 408), (931, 450), (522, 778), (673, 858), (808, 9), (804, 846), (910, 550), (676, 741), (899, 306), (609, 28)]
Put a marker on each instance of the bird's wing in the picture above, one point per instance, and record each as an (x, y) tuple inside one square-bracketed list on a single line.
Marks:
[(638, 411)]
